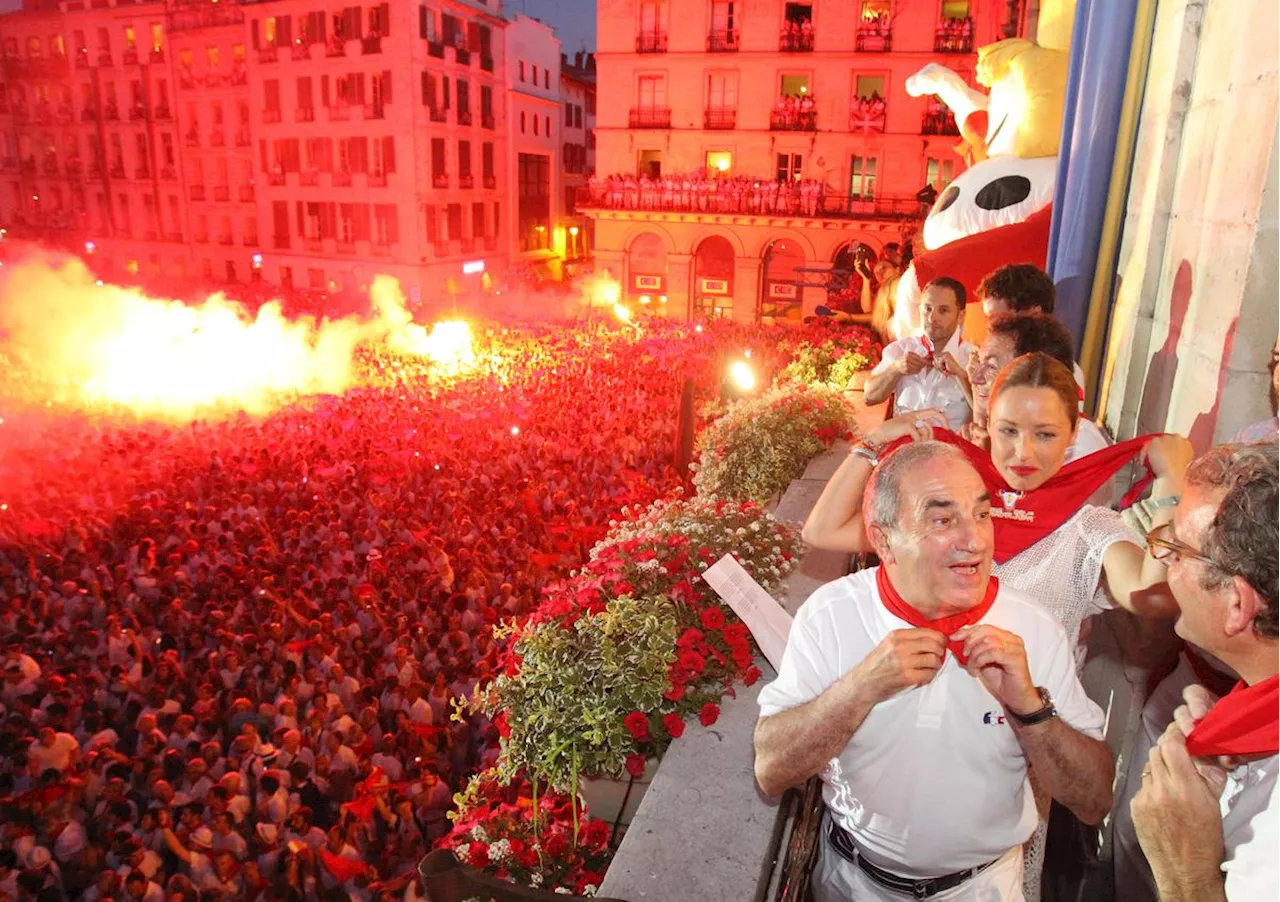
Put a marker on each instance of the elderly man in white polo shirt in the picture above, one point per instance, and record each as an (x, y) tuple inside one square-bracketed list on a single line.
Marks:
[(928, 371), (920, 691), (1208, 812)]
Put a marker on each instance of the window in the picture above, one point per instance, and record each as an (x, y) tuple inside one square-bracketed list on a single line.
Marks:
[(862, 177), (429, 91), (386, 231), (428, 25), (794, 85), (868, 86), (652, 91), (157, 37), (486, 102), (453, 217), (535, 125), (790, 167), (477, 220), (522, 118), (522, 70), (486, 160), (955, 9), (577, 115), (546, 126), (722, 90), (720, 161), (464, 159), (130, 38), (535, 75), (649, 162), (938, 173), (568, 114), (653, 20), (437, 158), (464, 98), (534, 198), (546, 78), (724, 19)]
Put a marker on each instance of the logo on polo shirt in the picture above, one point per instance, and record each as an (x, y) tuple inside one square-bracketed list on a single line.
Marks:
[(993, 718)]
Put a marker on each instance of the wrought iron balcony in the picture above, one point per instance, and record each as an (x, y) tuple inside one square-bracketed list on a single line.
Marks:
[(221, 193), (438, 115), (195, 192), (191, 138), (436, 49), (939, 122), (461, 55), (486, 62), (374, 111), (873, 38), (268, 54), (339, 113), (651, 42), (304, 114), (440, 180), (371, 44), (163, 113), (300, 52), (271, 115), (335, 48), (490, 181), (275, 178), (376, 179), (340, 179), (954, 36), (799, 121), (131, 56), (724, 41), (486, 120), (464, 117), (720, 119), (651, 117), (466, 181), (242, 138), (309, 178), (246, 193), (796, 43)]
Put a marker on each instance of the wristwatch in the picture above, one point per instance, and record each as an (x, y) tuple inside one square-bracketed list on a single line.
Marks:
[(867, 451), (1048, 711)]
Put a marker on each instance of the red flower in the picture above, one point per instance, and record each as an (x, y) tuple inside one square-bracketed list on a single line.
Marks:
[(596, 835), (752, 674), (713, 619), (736, 632), (623, 588), (692, 662), (673, 724), (528, 859), (709, 714), (635, 765), (691, 638), (479, 855), (675, 693), (638, 725), (588, 878), (504, 728), (555, 845)]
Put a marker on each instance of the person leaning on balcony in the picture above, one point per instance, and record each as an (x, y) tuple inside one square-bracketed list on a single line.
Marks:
[(921, 691), (927, 371), (1208, 812)]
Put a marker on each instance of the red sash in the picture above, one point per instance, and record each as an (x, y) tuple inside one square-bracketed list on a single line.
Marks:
[(945, 625), (1245, 721), (1022, 519)]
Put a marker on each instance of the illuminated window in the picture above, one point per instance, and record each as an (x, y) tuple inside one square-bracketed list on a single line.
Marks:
[(269, 29), (130, 37), (157, 36), (795, 85), (213, 53), (867, 86), (955, 9), (719, 161)]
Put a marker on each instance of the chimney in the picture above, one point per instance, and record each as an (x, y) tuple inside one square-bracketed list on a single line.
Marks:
[(577, 61)]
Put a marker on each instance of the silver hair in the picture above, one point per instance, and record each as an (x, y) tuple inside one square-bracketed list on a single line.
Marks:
[(1244, 538), (882, 498)]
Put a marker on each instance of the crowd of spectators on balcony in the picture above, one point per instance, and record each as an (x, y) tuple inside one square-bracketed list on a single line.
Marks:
[(796, 34), (795, 112), (867, 113), (229, 647), (955, 34), (876, 24), (707, 192)]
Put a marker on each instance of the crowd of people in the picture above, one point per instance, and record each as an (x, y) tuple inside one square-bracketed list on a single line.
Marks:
[(867, 113), (229, 646), (795, 112), (700, 192), (796, 34), (992, 507)]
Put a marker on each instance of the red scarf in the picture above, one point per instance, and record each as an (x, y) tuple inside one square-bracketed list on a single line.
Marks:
[(928, 348), (1024, 518), (1245, 721), (342, 869), (946, 625)]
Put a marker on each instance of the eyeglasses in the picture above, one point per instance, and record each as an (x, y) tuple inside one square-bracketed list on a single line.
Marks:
[(1162, 545)]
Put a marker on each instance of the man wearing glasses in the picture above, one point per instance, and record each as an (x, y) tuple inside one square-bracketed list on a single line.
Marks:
[(1207, 814)]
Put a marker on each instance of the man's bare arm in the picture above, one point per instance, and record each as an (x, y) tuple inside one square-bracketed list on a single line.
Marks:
[(1075, 769)]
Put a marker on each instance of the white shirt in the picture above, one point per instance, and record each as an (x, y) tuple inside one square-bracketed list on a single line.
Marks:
[(1251, 826), (930, 388), (933, 781)]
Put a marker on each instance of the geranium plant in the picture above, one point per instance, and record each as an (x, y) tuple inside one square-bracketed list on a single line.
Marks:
[(832, 359), (505, 827), (761, 444)]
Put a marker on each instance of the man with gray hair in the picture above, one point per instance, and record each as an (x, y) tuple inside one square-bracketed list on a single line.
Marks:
[(921, 690), (1208, 812)]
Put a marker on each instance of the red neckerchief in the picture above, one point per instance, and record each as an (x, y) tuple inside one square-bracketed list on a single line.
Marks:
[(928, 348), (1245, 721), (945, 625), (1024, 518)]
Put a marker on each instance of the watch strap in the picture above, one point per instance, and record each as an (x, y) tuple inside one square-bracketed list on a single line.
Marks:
[(1047, 712)]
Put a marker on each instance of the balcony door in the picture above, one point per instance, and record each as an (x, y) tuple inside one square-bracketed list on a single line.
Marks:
[(652, 92)]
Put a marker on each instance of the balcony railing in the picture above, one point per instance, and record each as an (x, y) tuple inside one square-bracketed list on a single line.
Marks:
[(340, 179), (137, 112), (466, 181), (467, 245), (380, 248), (486, 62), (309, 178), (169, 174), (191, 138), (111, 113), (268, 54), (436, 49), (221, 193), (163, 113), (82, 58), (874, 37), (304, 114), (131, 56), (116, 171), (175, 237), (440, 248), (242, 138), (722, 41), (376, 179), (464, 117), (438, 115), (275, 178), (142, 172), (104, 57), (804, 199), (490, 181), (246, 194), (939, 122), (335, 48), (271, 114), (720, 119), (486, 121), (651, 117), (440, 180), (157, 55), (88, 114), (371, 44), (300, 52), (954, 36), (651, 42), (793, 121), (374, 111), (209, 16), (339, 113), (195, 192), (867, 114), (795, 42), (218, 139), (461, 55), (50, 166)]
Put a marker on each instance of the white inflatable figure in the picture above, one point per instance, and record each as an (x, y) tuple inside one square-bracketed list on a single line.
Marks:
[(1011, 138)]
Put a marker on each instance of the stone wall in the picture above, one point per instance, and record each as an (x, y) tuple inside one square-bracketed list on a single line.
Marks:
[(1195, 314)]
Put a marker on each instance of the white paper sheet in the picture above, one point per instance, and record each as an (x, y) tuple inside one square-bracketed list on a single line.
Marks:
[(768, 621)]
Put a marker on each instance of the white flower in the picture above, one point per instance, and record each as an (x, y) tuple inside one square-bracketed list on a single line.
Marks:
[(463, 852), (535, 878), (564, 891), (499, 850), (478, 833)]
